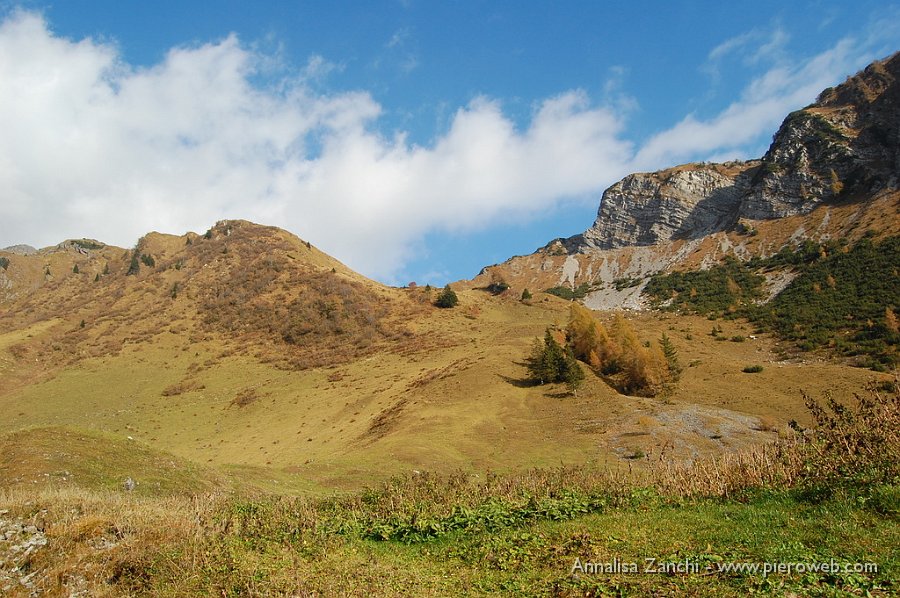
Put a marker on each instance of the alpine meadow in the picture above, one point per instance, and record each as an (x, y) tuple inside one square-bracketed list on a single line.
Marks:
[(696, 396)]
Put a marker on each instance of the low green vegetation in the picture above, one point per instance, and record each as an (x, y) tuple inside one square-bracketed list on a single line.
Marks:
[(447, 298), (843, 298), (620, 284), (4, 262), (497, 287), (569, 293), (88, 244), (828, 495), (720, 290)]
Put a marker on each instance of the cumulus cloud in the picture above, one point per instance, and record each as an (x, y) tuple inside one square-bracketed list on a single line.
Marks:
[(93, 146), (785, 86)]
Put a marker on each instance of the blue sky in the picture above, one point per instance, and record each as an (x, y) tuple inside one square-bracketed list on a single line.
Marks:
[(413, 140)]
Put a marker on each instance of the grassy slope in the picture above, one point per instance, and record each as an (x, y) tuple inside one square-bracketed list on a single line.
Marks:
[(452, 397), (61, 457), (459, 405)]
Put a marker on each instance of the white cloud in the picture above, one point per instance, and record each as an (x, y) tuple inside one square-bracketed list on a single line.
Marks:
[(754, 47), (399, 38), (763, 104), (92, 146)]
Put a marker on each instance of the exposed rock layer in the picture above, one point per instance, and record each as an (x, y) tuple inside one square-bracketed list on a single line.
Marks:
[(846, 146), (832, 170)]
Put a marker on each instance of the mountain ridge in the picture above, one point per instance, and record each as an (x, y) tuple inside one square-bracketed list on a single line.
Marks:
[(832, 170)]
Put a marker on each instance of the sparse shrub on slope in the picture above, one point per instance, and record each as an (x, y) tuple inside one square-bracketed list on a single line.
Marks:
[(578, 292), (616, 354), (447, 298), (318, 317)]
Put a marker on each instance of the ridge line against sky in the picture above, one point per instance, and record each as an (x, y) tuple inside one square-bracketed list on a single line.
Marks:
[(103, 144)]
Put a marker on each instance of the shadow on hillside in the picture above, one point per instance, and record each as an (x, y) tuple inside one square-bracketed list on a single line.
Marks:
[(529, 383), (519, 382)]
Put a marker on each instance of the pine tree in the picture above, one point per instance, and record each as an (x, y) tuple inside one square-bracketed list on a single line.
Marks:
[(526, 295), (447, 298), (671, 355), (546, 360), (75, 269), (571, 373), (135, 266)]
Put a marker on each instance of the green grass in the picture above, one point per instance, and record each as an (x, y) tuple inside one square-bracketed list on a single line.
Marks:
[(578, 292), (290, 546), (537, 559)]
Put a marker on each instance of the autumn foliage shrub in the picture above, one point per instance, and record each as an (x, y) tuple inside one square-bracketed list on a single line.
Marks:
[(617, 354)]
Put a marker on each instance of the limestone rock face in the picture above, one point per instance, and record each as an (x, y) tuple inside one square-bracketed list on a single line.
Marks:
[(20, 250), (807, 164), (832, 170), (844, 147), (647, 208)]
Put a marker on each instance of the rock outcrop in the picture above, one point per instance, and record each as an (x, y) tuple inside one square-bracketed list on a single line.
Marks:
[(832, 170), (846, 146), (20, 250), (679, 203)]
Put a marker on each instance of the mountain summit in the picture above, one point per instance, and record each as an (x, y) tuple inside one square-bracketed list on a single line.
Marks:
[(833, 169), (845, 146)]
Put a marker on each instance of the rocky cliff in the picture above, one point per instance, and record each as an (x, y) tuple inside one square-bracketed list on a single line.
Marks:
[(845, 146), (832, 170), (679, 203)]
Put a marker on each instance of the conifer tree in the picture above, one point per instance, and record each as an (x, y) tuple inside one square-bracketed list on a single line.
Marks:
[(571, 373), (671, 355), (447, 298)]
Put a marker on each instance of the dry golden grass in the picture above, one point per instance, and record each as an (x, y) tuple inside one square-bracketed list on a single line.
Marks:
[(436, 390), (119, 543)]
